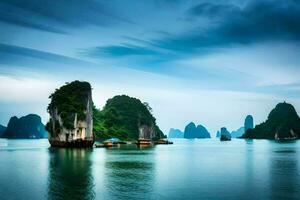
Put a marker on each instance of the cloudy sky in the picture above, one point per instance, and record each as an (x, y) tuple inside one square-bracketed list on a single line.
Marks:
[(211, 62)]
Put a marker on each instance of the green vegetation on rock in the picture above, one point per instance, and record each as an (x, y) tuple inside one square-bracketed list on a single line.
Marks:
[(69, 100), (282, 121), (121, 118)]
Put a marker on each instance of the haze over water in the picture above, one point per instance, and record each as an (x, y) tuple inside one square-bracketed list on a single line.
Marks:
[(188, 169)]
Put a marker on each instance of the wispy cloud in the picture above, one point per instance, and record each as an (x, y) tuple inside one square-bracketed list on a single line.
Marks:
[(230, 25), (121, 50), (57, 16), (7, 52)]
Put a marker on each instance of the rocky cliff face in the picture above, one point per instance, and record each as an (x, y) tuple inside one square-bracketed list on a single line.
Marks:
[(71, 116), (27, 127), (147, 132)]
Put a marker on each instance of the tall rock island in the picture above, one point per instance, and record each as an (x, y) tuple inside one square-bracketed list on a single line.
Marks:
[(71, 116), (248, 123)]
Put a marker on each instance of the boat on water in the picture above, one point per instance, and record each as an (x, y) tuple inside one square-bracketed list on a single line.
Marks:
[(108, 143), (105, 144), (286, 139), (144, 142), (163, 141)]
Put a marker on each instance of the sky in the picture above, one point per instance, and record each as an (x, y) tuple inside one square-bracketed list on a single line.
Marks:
[(210, 62)]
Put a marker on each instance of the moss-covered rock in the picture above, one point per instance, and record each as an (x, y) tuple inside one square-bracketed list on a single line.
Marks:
[(71, 115)]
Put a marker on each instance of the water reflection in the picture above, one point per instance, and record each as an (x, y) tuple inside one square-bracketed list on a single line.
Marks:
[(70, 174), (129, 174), (284, 173), (201, 169)]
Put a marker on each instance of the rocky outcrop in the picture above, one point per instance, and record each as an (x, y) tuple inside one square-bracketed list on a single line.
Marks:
[(147, 132), (191, 131), (175, 133), (225, 135), (71, 116), (27, 127), (248, 123)]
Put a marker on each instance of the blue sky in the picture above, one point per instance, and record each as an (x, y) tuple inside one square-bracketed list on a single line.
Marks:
[(211, 62)]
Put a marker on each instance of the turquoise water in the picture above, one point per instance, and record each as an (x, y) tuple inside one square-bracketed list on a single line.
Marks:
[(188, 169)]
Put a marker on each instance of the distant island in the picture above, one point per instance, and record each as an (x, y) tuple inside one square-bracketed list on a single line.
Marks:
[(283, 123), (27, 127), (175, 133), (248, 124), (191, 131), (224, 134)]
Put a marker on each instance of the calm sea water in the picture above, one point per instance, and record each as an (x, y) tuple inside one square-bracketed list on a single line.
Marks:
[(189, 169)]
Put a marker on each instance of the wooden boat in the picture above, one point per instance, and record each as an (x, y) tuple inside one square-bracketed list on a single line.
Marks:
[(104, 144), (286, 139), (143, 142), (162, 141)]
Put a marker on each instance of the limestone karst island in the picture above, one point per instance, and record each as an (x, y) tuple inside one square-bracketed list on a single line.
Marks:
[(71, 116)]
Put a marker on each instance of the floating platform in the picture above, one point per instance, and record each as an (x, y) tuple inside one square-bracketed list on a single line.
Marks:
[(72, 144), (104, 145), (144, 142)]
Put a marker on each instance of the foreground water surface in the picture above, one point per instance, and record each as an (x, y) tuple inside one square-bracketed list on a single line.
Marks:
[(188, 169)]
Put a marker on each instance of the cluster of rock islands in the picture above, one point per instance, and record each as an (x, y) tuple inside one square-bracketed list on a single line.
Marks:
[(76, 122)]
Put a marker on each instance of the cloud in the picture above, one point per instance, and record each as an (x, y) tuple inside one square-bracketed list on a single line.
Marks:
[(256, 21), (229, 25), (213, 11), (121, 50), (56, 16), (10, 52)]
